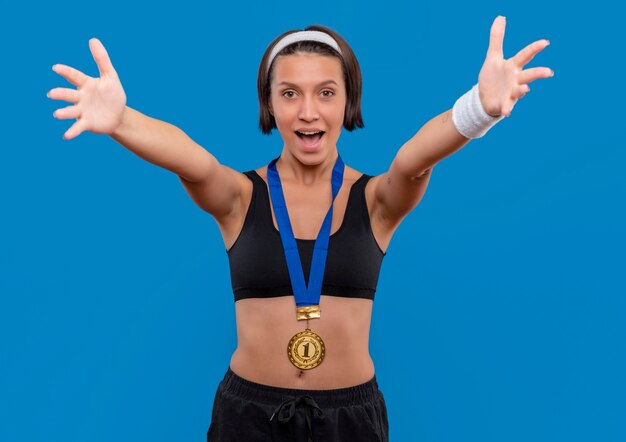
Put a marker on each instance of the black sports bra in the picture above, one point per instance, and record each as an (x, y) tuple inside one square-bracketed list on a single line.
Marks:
[(258, 267)]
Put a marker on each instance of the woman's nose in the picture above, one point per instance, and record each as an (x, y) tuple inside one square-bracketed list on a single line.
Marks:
[(308, 109)]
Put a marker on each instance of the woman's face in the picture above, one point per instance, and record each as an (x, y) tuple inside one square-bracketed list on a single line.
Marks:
[(308, 94)]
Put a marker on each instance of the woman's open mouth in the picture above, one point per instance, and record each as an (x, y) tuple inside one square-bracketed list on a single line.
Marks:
[(310, 140)]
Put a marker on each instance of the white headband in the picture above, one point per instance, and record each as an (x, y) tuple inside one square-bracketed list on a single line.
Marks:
[(294, 37)]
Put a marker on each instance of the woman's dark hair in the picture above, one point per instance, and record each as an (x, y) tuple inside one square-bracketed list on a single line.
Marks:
[(349, 66)]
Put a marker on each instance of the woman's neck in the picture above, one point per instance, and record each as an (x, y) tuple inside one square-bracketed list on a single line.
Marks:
[(291, 168)]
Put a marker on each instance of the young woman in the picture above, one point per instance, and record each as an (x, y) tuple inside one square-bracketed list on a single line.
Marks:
[(304, 278)]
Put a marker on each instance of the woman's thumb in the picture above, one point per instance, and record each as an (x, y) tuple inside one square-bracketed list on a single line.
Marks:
[(101, 57)]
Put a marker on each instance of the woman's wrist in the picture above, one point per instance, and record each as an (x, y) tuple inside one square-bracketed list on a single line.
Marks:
[(123, 123), (469, 116)]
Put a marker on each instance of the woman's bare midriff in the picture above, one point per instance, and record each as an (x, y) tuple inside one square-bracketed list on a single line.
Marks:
[(265, 326)]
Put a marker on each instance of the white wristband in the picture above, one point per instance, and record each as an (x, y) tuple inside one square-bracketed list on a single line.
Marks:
[(469, 116)]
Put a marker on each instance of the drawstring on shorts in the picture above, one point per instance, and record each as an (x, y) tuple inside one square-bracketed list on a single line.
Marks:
[(287, 409)]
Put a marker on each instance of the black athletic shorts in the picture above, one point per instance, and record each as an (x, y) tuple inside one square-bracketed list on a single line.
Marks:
[(245, 411)]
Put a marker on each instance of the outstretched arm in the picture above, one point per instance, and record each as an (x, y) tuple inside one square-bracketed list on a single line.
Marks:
[(500, 84), (99, 106)]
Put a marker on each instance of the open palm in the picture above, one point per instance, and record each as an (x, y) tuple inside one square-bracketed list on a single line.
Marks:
[(98, 102), (502, 82)]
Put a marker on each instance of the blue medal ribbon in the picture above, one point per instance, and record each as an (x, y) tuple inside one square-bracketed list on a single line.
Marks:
[(304, 295)]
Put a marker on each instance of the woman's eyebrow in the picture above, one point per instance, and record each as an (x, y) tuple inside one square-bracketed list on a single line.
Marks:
[(287, 83)]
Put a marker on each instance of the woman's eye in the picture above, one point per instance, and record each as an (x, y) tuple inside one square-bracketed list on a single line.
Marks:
[(326, 93)]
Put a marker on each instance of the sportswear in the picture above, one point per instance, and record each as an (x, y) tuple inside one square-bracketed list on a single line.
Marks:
[(251, 412), (469, 117), (258, 267)]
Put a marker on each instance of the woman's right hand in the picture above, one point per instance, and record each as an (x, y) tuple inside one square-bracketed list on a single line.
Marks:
[(99, 103)]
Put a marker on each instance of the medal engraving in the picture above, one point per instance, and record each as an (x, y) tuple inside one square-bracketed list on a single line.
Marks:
[(306, 350)]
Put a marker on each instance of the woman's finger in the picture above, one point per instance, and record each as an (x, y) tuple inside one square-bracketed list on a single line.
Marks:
[(74, 76), (66, 113), (523, 57), (532, 74), (77, 128), (508, 106), (496, 36), (101, 57), (65, 94), (520, 91)]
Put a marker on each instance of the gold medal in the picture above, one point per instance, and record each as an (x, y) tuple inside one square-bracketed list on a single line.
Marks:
[(306, 349)]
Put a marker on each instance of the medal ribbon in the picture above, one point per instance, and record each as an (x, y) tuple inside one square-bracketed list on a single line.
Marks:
[(304, 295)]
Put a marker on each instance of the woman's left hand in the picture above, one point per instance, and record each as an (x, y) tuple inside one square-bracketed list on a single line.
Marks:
[(502, 82)]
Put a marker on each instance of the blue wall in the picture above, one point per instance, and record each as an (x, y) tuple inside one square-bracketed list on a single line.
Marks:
[(116, 314)]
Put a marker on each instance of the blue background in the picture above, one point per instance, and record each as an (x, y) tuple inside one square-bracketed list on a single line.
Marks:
[(499, 314)]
